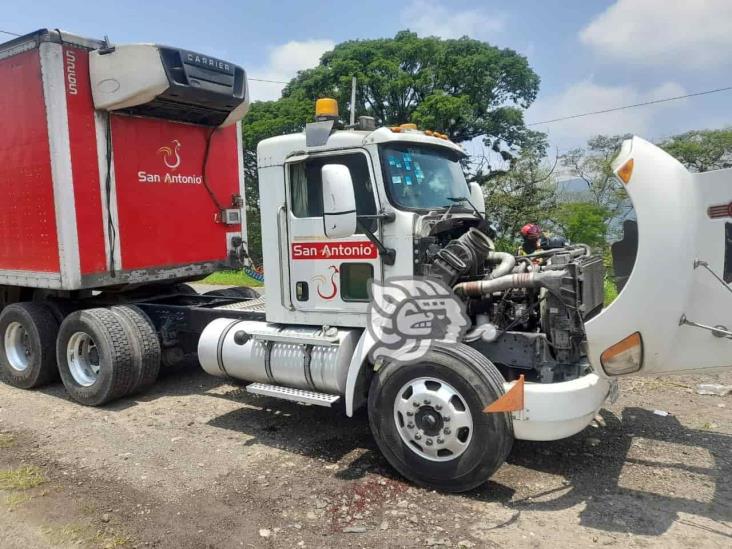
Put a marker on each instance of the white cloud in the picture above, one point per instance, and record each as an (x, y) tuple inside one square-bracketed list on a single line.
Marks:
[(588, 96), (282, 64), (689, 33), (430, 18)]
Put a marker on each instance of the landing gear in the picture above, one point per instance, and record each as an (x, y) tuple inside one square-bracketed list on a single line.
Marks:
[(427, 418)]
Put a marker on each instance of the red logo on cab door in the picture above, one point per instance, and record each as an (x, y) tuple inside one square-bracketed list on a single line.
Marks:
[(328, 250)]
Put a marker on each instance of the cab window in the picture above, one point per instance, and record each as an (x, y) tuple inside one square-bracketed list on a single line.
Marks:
[(306, 186)]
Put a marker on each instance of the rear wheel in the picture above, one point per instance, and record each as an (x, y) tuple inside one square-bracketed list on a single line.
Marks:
[(95, 357), (243, 292), (145, 346), (27, 345), (427, 418)]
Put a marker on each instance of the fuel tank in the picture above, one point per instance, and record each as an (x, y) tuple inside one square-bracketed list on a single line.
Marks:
[(303, 357)]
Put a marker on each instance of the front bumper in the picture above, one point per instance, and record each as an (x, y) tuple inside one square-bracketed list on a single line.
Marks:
[(559, 410)]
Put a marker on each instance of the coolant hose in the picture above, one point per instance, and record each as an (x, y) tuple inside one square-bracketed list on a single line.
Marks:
[(506, 263), (480, 288)]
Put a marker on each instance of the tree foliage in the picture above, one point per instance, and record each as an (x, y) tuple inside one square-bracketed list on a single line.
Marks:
[(524, 193), (702, 150), (593, 166), (464, 88), (583, 222)]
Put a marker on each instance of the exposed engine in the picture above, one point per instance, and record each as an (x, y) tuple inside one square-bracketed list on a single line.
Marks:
[(528, 312)]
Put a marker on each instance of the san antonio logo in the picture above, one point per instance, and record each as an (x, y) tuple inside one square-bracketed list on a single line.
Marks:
[(171, 155), (407, 315)]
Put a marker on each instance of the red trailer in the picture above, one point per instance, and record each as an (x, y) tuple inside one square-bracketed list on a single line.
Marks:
[(121, 176)]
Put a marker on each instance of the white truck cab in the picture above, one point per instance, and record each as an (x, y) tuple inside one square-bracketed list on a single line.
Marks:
[(349, 213)]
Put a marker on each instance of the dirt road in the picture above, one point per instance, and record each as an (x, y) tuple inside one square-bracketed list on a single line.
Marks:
[(200, 463)]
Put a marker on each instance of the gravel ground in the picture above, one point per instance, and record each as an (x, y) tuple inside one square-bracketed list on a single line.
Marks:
[(200, 463)]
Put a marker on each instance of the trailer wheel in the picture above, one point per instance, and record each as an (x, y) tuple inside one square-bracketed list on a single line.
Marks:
[(95, 357), (428, 421), (145, 346), (27, 345), (244, 292)]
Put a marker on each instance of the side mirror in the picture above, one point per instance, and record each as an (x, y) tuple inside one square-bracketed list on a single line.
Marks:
[(339, 201), (477, 197)]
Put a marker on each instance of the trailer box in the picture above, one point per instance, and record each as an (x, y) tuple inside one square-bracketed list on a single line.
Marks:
[(118, 165)]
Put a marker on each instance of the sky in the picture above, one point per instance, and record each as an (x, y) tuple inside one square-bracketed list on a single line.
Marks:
[(590, 54)]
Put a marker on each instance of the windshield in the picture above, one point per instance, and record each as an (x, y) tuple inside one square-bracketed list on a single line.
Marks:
[(422, 178)]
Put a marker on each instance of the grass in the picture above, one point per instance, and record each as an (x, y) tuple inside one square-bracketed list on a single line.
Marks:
[(611, 292), (13, 501), (23, 478), (6, 441), (82, 534), (231, 278)]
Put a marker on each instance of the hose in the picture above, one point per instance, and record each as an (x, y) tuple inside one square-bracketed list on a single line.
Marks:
[(506, 263), (480, 288)]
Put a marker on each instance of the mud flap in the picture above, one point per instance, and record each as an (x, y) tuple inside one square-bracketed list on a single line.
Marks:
[(674, 312)]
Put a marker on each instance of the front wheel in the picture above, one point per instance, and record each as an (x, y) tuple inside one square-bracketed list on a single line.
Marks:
[(428, 421)]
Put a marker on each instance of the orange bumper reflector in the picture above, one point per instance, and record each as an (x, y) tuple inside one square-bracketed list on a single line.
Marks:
[(624, 357), (626, 171), (512, 401)]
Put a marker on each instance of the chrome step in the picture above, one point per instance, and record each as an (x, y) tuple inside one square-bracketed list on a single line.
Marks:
[(296, 395)]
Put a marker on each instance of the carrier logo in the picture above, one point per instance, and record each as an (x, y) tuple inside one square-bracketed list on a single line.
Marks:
[(722, 210), (407, 315), (208, 63), (171, 155)]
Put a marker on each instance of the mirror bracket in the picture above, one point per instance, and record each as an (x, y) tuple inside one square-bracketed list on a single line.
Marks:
[(388, 255)]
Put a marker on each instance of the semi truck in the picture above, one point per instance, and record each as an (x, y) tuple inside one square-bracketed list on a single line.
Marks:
[(383, 290)]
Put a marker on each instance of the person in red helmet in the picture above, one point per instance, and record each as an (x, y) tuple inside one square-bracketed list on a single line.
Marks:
[(532, 235)]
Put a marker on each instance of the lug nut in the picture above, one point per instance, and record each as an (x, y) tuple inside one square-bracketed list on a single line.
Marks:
[(427, 401), (417, 436), (447, 431), (438, 406), (440, 441), (446, 419), (410, 425), (410, 414), (415, 404), (429, 442)]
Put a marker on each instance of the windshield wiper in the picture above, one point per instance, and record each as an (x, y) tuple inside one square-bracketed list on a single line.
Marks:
[(456, 200)]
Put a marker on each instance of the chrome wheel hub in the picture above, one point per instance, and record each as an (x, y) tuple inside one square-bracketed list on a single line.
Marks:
[(17, 347), (433, 419), (83, 359)]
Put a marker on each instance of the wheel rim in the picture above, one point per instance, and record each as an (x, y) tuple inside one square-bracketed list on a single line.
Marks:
[(433, 419), (83, 359), (18, 349)]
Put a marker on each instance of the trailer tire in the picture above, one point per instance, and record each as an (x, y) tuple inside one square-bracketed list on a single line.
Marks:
[(456, 451), (95, 357), (28, 345), (145, 346), (244, 292)]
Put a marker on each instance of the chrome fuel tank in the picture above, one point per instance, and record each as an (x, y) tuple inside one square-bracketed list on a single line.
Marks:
[(304, 357)]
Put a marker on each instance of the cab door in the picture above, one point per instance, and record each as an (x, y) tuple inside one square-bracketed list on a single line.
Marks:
[(674, 313), (330, 275)]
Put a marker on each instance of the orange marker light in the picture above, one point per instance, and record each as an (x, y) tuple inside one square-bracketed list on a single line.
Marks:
[(625, 357), (408, 126), (626, 171)]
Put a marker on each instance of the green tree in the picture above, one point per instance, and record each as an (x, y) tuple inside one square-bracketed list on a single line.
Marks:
[(592, 165), (526, 192), (702, 150), (582, 222), (464, 88)]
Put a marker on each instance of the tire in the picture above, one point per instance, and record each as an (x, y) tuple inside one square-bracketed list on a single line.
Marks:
[(458, 459), (27, 345), (244, 292), (145, 346), (102, 366), (182, 288)]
